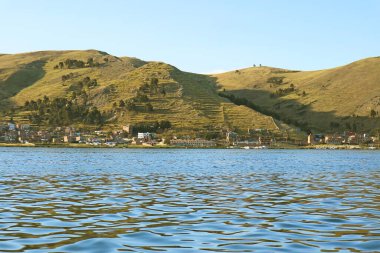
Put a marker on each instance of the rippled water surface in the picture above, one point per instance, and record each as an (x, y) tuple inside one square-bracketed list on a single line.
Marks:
[(125, 200)]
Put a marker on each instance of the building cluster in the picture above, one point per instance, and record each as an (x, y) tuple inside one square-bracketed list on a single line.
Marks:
[(11, 132), (24, 133), (267, 139), (258, 138), (347, 137), (193, 143)]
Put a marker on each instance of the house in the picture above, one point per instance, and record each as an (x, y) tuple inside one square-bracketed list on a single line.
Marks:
[(56, 140), (309, 139), (145, 136), (265, 140), (79, 139), (334, 139), (23, 136), (248, 143), (69, 131), (354, 140), (194, 143), (231, 137), (10, 136), (23, 127), (69, 139), (11, 127), (137, 141), (319, 138)]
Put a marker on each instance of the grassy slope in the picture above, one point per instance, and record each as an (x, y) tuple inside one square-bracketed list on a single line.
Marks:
[(331, 95), (191, 103)]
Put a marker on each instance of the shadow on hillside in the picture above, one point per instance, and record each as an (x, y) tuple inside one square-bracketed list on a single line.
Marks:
[(197, 84), (303, 116), (26, 76)]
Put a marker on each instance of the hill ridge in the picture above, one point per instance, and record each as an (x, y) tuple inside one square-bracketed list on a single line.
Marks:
[(318, 99), (124, 89)]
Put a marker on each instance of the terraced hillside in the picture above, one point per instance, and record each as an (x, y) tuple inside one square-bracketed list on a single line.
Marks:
[(341, 98), (96, 79)]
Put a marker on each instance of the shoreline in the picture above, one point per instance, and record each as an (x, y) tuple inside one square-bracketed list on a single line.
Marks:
[(288, 147)]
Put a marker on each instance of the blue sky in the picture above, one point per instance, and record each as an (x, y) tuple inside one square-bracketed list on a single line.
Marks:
[(200, 35)]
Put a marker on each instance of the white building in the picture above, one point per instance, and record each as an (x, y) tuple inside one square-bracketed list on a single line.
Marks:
[(144, 135)]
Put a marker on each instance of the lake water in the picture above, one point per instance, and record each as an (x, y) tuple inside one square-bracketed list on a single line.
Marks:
[(129, 200)]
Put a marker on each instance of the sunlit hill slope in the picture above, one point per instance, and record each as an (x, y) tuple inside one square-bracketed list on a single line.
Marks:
[(96, 79), (341, 98)]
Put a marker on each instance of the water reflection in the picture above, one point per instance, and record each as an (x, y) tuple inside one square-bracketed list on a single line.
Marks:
[(189, 201)]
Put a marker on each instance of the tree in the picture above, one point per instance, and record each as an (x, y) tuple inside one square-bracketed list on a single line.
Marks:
[(94, 117), (373, 113), (86, 80), (165, 124), (163, 92), (154, 81), (46, 99), (142, 98), (72, 95), (90, 62), (121, 103), (334, 124), (148, 107), (212, 135), (354, 127), (130, 104)]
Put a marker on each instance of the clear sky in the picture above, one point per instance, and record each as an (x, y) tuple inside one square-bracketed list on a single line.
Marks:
[(200, 35)]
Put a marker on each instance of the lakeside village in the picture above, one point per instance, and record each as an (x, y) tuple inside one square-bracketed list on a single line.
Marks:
[(13, 134)]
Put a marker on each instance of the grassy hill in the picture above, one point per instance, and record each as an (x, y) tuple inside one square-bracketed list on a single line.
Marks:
[(189, 101), (341, 98), (337, 99)]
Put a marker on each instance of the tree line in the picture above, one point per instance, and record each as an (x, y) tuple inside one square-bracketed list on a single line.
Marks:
[(152, 127), (61, 111), (141, 96), (76, 64)]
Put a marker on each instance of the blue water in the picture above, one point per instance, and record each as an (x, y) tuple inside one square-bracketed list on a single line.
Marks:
[(140, 200)]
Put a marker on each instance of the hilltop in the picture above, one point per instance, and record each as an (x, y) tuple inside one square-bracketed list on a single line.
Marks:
[(125, 90), (342, 98)]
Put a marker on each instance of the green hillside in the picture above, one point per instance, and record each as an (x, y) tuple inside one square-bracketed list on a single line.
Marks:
[(128, 90), (125, 90), (341, 98)]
